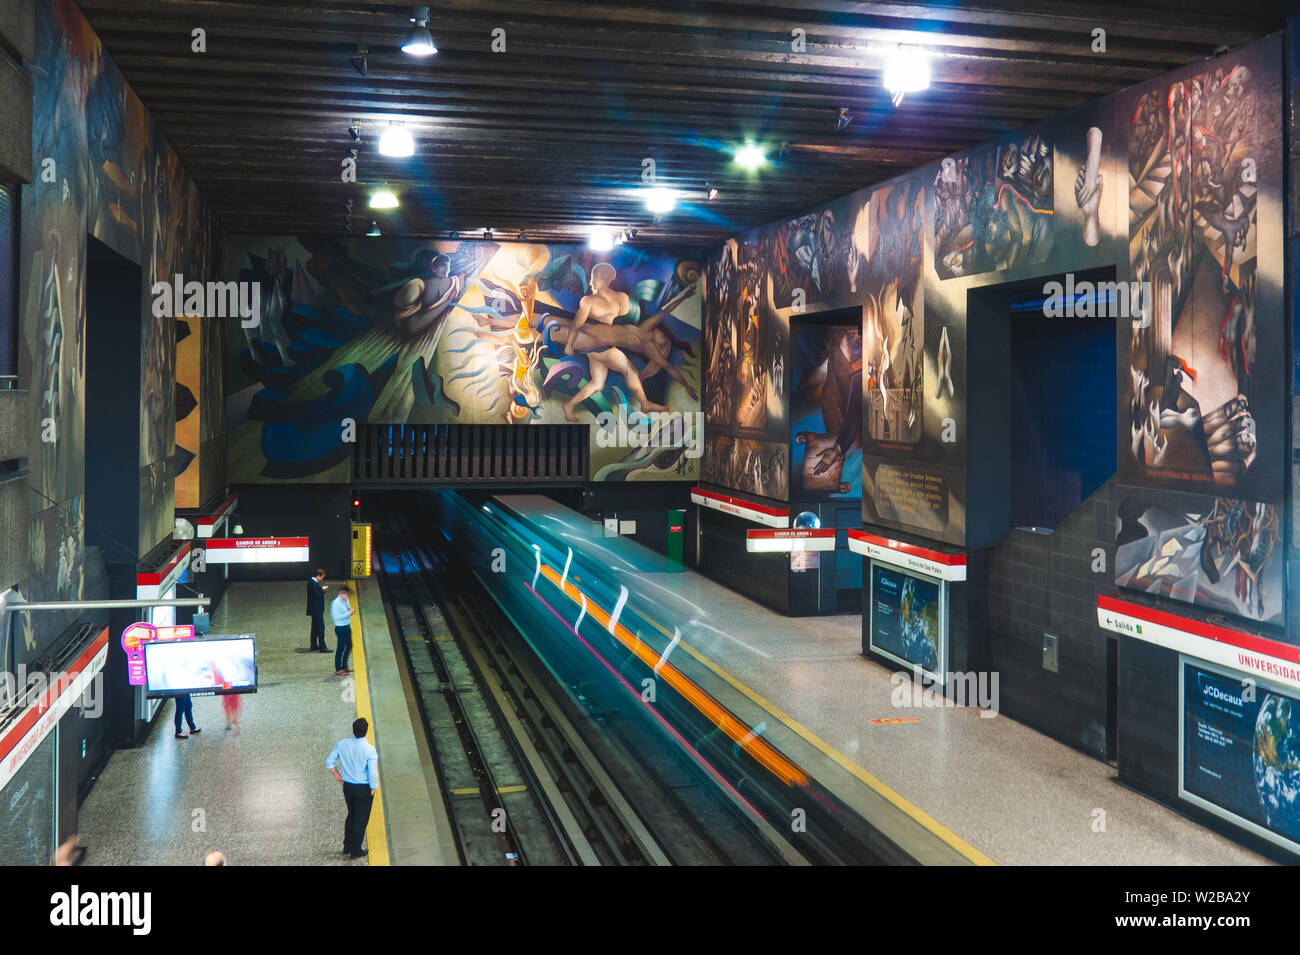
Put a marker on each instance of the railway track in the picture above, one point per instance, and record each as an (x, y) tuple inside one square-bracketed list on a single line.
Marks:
[(548, 756), (519, 786)]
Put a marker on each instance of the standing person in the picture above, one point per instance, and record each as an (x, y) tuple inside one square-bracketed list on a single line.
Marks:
[(341, 612), (185, 710), (233, 704), (316, 610), (355, 764)]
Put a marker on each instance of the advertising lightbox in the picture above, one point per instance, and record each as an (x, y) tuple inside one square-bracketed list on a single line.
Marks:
[(909, 619), (1239, 750)]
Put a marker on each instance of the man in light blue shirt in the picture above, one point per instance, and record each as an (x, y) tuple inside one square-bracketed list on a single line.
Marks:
[(355, 764), (341, 613)]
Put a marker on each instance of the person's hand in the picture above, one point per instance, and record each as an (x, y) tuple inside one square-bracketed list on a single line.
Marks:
[(373, 791), (67, 853), (324, 587)]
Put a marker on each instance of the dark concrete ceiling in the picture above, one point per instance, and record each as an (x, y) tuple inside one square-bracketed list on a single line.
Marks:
[(548, 137)]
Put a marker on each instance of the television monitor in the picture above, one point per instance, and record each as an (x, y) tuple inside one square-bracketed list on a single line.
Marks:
[(909, 619), (1239, 752), (205, 667)]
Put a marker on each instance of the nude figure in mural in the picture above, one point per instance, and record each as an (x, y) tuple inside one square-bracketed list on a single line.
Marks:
[(423, 301), (603, 305)]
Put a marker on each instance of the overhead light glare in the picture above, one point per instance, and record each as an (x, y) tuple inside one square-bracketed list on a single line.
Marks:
[(383, 199), (660, 200), (600, 240), (750, 155), (419, 41), (711, 191), (906, 71), (374, 228), (396, 141)]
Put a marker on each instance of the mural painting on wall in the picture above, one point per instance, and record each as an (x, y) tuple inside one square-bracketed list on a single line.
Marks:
[(1199, 386), (745, 383), (892, 319), (471, 332), (1228, 557), (826, 411), (188, 414), (1204, 376), (992, 207), (911, 380), (102, 169)]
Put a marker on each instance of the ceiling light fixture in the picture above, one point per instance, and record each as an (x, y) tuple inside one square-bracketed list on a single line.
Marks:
[(711, 191), (600, 240), (419, 41), (906, 71), (355, 130), (750, 155), (660, 200), (383, 199), (396, 141), (374, 229), (487, 234), (845, 118)]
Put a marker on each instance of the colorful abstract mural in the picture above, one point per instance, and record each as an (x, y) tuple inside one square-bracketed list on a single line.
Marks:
[(474, 332), (102, 169), (1199, 220), (826, 411)]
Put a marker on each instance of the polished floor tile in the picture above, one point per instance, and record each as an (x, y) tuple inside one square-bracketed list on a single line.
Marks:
[(260, 794)]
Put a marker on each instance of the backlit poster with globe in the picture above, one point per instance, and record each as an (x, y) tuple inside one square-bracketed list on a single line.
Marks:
[(1241, 751), (905, 619)]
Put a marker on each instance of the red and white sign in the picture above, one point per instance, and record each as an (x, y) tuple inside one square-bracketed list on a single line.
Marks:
[(208, 525), (257, 550), (1243, 652), (789, 539), (750, 511), (908, 556), (152, 585), (39, 719), (137, 635)]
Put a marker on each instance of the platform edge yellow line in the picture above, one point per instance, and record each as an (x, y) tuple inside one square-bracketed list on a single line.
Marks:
[(914, 812), (377, 830)]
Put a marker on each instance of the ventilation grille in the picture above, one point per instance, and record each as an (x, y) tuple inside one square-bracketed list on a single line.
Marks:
[(457, 453)]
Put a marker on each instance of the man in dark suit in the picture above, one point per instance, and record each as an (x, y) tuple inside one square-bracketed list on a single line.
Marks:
[(316, 610)]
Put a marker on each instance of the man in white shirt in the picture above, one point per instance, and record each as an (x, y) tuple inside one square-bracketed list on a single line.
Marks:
[(341, 613), (355, 764)]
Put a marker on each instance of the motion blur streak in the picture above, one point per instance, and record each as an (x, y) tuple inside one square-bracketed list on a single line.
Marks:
[(739, 732)]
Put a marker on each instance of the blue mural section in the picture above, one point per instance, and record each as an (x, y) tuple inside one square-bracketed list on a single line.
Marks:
[(475, 332)]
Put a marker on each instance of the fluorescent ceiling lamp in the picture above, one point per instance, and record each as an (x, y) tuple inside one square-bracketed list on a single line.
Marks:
[(383, 199), (419, 41), (600, 240), (374, 229), (659, 200), (750, 155), (906, 71), (396, 141)]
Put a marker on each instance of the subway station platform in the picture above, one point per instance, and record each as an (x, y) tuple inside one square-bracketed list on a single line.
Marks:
[(261, 793), (974, 783), (990, 788)]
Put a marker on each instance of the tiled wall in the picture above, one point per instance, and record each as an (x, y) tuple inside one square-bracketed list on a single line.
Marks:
[(1045, 582)]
